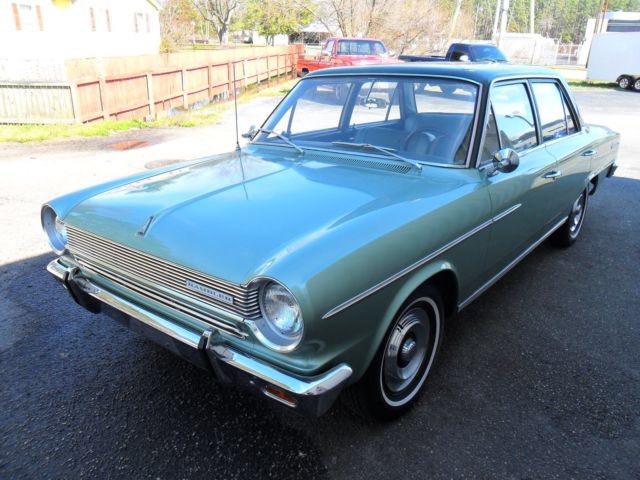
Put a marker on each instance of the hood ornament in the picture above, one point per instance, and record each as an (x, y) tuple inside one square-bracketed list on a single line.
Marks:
[(143, 230)]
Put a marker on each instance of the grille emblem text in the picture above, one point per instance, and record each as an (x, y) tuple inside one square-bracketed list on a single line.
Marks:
[(209, 292)]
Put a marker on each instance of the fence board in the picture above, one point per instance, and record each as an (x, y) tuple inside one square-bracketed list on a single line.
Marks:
[(121, 87)]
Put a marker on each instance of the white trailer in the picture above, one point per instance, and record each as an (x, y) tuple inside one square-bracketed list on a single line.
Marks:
[(615, 57)]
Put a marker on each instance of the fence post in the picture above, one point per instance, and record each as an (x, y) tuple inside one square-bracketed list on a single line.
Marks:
[(75, 104), (210, 81), (244, 73), (257, 71), (185, 93), (104, 105), (231, 86), (268, 71), (152, 103)]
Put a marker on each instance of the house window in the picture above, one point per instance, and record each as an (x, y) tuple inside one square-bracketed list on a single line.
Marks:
[(138, 19), (27, 18)]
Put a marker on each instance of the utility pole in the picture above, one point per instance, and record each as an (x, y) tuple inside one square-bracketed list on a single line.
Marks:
[(503, 21), (496, 20), (454, 20), (532, 17)]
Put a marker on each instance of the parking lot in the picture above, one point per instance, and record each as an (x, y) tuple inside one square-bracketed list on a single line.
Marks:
[(539, 378)]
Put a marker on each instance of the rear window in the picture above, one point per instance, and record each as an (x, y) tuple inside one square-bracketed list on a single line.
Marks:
[(360, 47)]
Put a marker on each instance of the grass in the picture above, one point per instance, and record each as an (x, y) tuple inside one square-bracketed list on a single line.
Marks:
[(587, 84), (207, 115)]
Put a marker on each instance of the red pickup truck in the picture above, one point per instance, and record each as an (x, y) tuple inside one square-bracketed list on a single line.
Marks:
[(343, 51)]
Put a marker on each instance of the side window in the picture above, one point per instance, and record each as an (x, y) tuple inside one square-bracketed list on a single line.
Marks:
[(374, 103), (329, 48), (491, 143), (514, 116), (552, 110)]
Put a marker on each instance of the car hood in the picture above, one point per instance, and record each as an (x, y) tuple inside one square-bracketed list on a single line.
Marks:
[(237, 216)]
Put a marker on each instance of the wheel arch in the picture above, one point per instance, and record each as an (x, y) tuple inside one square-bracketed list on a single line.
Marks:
[(442, 274)]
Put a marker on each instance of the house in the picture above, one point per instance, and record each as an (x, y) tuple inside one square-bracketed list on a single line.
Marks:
[(68, 29)]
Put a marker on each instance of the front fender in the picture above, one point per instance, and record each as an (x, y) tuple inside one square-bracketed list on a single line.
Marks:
[(369, 320)]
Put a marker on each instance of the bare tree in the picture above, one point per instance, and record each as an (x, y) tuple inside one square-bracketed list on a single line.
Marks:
[(176, 19), (219, 13)]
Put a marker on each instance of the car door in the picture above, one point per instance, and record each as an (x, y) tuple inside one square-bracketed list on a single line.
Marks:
[(565, 141), (520, 199)]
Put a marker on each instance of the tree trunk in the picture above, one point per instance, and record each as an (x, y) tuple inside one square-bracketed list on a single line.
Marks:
[(223, 35)]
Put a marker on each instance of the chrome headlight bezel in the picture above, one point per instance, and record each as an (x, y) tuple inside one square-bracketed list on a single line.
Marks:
[(266, 328), (55, 230)]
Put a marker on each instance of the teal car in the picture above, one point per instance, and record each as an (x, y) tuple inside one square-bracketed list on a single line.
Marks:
[(328, 253)]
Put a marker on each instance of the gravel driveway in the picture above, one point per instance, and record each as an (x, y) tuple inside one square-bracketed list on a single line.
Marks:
[(539, 378)]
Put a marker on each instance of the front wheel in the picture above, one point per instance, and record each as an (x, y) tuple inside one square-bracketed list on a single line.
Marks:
[(568, 233), (404, 360)]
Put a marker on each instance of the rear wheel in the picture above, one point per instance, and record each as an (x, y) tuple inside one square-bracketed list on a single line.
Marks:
[(568, 233), (624, 82), (636, 85), (404, 360)]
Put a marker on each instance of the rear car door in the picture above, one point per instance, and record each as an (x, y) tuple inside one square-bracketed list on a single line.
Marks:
[(520, 199), (564, 140)]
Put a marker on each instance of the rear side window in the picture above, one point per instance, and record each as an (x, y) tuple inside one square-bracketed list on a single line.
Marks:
[(514, 116), (555, 116)]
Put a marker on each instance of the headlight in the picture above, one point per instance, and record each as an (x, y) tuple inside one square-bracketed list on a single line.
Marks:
[(55, 230), (281, 325)]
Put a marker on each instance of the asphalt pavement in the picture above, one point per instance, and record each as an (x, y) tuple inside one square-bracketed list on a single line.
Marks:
[(539, 378)]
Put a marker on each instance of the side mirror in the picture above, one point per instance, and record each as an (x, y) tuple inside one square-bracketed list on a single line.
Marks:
[(251, 133), (505, 161)]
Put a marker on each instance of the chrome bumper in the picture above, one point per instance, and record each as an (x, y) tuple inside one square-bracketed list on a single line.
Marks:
[(311, 395)]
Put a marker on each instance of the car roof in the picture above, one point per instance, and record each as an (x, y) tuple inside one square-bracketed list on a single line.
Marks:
[(483, 73)]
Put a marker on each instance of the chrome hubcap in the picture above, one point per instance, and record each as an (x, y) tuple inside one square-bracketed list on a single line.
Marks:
[(577, 214), (637, 85), (624, 83), (406, 350)]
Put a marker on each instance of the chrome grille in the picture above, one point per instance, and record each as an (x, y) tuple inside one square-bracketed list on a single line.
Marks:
[(158, 279)]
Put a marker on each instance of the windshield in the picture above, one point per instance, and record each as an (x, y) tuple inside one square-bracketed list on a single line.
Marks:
[(488, 52), (360, 47), (419, 119)]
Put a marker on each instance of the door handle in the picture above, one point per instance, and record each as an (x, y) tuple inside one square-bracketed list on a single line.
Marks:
[(589, 153), (552, 174)]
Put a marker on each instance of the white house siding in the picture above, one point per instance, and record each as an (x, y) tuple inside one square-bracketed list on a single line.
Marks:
[(57, 30)]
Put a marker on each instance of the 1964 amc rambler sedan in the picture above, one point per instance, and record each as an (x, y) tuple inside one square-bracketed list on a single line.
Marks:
[(372, 205)]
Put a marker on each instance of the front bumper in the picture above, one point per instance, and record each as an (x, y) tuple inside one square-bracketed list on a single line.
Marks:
[(311, 395)]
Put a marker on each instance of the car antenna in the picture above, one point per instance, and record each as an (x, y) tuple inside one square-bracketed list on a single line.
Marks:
[(235, 107)]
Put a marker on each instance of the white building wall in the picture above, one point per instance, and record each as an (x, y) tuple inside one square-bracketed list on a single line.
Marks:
[(73, 32)]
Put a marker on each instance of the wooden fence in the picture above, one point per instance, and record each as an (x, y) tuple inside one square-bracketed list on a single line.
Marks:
[(145, 86)]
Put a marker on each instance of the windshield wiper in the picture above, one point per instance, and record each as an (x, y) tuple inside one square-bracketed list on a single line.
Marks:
[(369, 146), (281, 137)]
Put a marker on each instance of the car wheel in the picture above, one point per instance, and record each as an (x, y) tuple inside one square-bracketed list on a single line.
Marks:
[(636, 85), (624, 82), (404, 360), (568, 233), (304, 72)]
